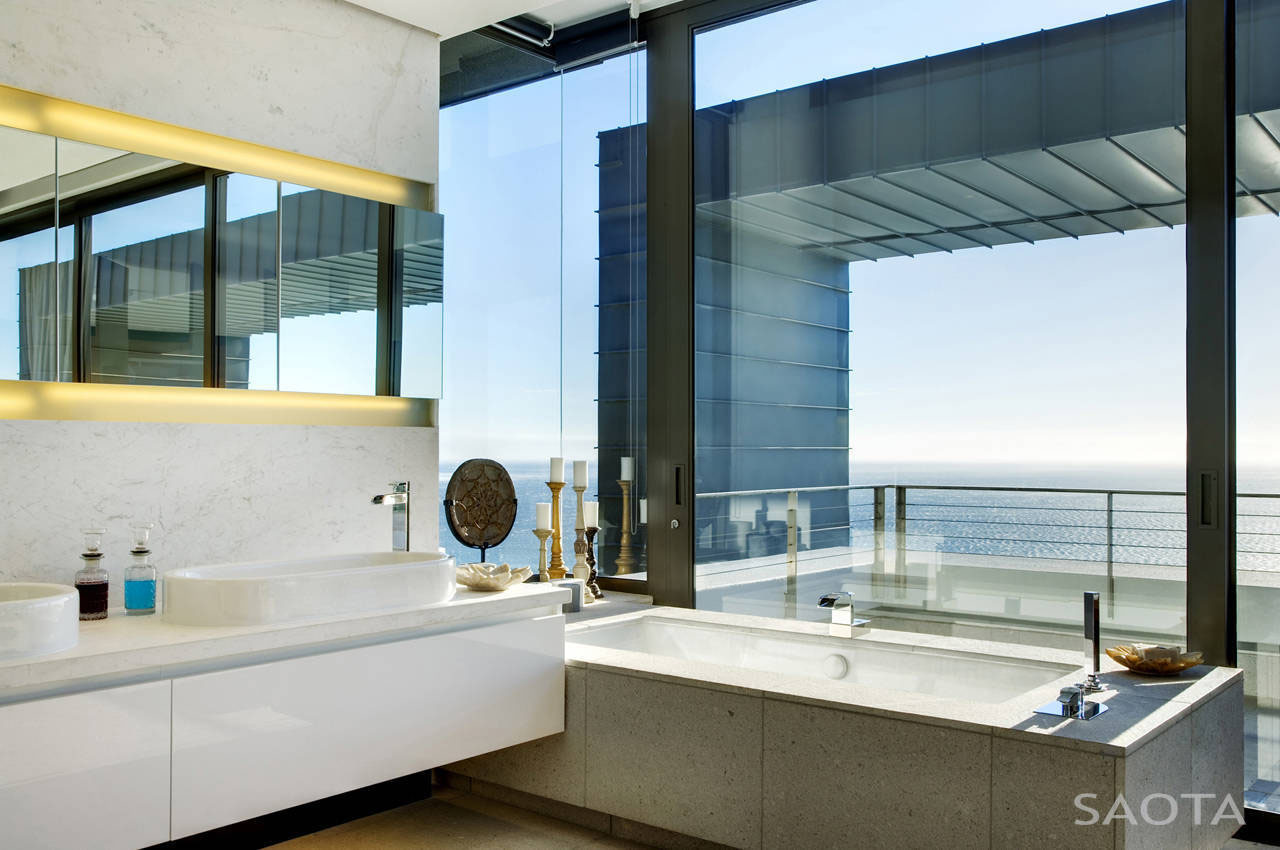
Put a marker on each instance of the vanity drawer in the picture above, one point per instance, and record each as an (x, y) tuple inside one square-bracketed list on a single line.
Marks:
[(86, 770), (258, 739)]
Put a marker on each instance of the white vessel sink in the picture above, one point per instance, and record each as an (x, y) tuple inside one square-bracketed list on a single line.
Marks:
[(36, 619), (306, 588)]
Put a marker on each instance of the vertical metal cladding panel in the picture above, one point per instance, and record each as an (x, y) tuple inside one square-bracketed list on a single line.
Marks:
[(802, 113), (711, 146), (753, 150), (1011, 99), (1144, 83), (1257, 55), (953, 98), (900, 116), (1075, 65), (850, 127)]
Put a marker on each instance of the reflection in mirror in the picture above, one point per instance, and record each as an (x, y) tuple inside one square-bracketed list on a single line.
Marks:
[(249, 294), (419, 268), (328, 291), (297, 294), (83, 168), (29, 297), (146, 285)]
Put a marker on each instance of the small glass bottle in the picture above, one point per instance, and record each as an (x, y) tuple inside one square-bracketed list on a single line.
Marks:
[(140, 577), (92, 580)]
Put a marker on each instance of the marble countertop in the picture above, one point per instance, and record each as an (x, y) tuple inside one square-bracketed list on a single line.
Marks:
[(1139, 707), (123, 649)]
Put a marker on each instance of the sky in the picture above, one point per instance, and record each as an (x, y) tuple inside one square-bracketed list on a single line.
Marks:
[(1066, 352)]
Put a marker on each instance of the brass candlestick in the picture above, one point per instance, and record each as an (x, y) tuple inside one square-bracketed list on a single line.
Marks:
[(542, 534), (580, 540), (625, 562), (557, 559), (593, 586)]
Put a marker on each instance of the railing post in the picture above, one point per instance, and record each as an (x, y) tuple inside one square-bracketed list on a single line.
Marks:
[(1111, 576), (793, 551), (877, 530), (900, 529)]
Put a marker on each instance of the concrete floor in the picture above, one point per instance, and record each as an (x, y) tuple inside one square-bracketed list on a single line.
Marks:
[(454, 819)]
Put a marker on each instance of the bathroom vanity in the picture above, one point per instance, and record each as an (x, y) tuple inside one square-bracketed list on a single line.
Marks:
[(149, 731)]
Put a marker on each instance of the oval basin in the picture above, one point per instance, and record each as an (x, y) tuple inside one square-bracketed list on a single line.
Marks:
[(265, 592), (37, 618)]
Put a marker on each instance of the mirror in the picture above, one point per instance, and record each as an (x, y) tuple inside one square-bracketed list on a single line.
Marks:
[(122, 268)]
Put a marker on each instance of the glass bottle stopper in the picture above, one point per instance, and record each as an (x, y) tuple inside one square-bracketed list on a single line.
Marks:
[(92, 542), (141, 535)]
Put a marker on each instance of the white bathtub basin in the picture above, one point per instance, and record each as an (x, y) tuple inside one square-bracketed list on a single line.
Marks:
[(281, 591), (972, 676), (37, 619)]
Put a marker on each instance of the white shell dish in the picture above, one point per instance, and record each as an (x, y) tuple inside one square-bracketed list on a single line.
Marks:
[(491, 576)]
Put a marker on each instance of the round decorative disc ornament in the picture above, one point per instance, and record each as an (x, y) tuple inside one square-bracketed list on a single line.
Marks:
[(480, 504)]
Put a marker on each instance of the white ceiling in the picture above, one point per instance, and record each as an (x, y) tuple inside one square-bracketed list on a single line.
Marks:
[(448, 18)]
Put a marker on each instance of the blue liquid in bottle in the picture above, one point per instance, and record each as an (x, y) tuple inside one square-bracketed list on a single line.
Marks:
[(140, 596)]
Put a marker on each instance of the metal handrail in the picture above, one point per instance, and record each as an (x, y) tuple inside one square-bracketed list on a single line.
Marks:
[(1001, 488), (829, 489), (1114, 546)]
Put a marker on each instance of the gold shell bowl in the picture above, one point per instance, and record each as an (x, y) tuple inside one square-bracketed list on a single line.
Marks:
[(1132, 659)]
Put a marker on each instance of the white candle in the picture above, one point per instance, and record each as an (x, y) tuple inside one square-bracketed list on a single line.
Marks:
[(592, 512), (628, 469), (544, 516), (557, 469), (579, 473), (644, 511)]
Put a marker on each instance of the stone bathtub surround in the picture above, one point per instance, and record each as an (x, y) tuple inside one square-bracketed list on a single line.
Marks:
[(761, 760), (217, 493)]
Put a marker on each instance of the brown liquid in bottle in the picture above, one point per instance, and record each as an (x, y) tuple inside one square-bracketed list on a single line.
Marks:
[(93, 600)]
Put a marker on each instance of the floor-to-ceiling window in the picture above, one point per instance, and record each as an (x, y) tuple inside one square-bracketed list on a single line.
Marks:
[(940, 315), (1257, 395), (540, 188)]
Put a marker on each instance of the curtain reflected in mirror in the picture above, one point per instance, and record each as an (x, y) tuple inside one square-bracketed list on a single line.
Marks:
[(45, 296)]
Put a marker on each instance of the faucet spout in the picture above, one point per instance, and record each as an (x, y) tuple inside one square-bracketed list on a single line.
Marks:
[(842, 620), (398, 499)]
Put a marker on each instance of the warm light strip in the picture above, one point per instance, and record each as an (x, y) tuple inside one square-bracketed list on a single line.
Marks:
[(127, 403), (53, 116)]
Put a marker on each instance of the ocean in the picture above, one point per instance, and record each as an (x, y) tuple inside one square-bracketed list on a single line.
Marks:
[(1070, 526)]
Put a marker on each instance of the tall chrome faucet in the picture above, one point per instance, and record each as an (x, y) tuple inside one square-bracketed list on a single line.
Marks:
[(1071, 700), (842, 620), (1092, 641), (398, 498)]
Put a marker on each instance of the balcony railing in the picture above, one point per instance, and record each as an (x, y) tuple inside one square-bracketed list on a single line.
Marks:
[(1133, 533)]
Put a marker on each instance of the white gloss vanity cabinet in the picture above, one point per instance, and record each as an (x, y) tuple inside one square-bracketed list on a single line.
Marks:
[(222, 739), (253, 740), (86, 770)]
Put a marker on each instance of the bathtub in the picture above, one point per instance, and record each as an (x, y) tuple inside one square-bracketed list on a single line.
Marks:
[(770, 734), (870, 662), (265, 592)]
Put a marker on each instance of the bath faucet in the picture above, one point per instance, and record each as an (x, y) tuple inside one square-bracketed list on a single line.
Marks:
[(1071, 700), (842, 620), (1092, 641), (398, 498)]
